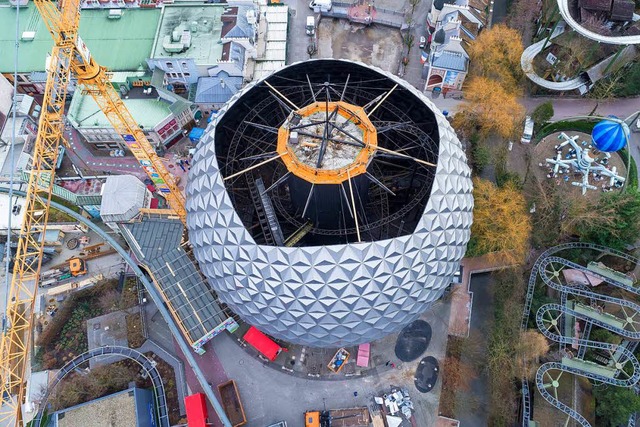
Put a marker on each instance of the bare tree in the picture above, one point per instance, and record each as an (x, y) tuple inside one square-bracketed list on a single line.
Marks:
[(110, 301), (531, 346)]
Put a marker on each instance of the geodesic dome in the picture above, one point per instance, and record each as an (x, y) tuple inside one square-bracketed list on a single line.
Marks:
[(337, 286)]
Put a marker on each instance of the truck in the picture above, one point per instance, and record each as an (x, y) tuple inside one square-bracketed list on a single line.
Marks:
[(527, 134), (351, 417), (74, 267), (320, 5), (230, 398), (311, 25)]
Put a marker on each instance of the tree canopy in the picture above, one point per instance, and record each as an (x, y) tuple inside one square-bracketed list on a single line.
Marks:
[(495, 54), (542, 113), (500, 221), (487, 108), (614, 221), (615, 404)]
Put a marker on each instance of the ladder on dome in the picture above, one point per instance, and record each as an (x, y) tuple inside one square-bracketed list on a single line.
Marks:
[(264, 209)]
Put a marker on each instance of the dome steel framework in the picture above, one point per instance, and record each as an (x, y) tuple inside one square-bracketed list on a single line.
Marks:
[(329, 204)]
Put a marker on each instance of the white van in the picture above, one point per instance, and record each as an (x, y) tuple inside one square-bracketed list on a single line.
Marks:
[(528, 131), (320, 5), (311, 25)]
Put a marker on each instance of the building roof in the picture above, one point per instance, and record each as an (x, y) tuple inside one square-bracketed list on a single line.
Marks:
[(232, 51), (450, 61), (622, 10), (218, 89), (115, 409), (330, 295), (156, 243), (235, 24), (274, 55), (603, 5), (84, 113), (122, 198), (262, 343), (196, 408), (118, 44), (197, 26)]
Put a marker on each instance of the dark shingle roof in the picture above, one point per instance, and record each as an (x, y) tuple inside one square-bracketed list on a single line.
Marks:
[(602, 5), (622, 10)]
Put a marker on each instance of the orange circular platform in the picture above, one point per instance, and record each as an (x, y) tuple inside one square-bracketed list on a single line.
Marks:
[(350, 142)]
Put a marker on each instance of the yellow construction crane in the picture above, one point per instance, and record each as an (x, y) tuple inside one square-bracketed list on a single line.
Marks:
[(69, 55)]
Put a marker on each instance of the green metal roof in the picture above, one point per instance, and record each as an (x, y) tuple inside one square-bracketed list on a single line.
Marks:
[(205, 48), (84, 112), (118, 44)]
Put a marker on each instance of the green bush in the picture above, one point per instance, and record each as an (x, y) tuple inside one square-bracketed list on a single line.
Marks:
[(630, 83), (584, 126), (603, 335), (616, 222), (615, 404), (481, 156), (632, 184), (542, 114)]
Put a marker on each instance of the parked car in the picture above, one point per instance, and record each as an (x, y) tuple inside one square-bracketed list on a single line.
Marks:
[(423, 42), (527, 134), (321, 5)]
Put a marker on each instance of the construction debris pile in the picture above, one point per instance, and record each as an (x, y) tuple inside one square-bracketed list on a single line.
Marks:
[(397, 406)]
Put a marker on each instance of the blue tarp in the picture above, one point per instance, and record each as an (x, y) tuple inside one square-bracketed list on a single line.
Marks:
[(196, 134)]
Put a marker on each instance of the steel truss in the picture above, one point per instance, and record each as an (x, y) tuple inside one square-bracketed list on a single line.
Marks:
[(256, 136), (550, 321)]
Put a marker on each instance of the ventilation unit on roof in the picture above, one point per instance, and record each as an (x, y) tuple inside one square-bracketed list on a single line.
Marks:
[(28, 36), (115, 14), (251, 17)]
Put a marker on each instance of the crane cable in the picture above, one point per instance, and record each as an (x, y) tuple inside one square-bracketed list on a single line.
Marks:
[(7, 277)]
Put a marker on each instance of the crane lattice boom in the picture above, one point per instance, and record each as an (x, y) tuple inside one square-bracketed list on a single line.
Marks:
[(69, 54)]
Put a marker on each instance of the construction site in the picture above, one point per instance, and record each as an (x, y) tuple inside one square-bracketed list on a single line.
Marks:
[(325, 207)]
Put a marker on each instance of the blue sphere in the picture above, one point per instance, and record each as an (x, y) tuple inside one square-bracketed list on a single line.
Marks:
[(610, 136)]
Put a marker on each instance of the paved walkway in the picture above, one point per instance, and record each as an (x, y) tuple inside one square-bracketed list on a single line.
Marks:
[(271, 395), (215, 374)]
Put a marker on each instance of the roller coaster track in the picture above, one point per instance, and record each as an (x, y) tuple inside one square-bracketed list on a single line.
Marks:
[(563, 7), (147, 364), (552, 327)]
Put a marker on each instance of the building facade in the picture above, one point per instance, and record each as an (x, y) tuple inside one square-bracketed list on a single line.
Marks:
[(161, 115), (451, 25)]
